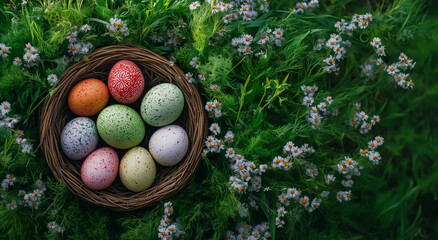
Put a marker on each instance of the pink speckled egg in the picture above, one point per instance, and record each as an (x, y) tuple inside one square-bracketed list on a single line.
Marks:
[(100, 168), (125, 82), (168, 145)]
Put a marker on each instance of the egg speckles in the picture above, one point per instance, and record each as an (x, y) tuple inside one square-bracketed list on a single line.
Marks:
[(137, 169), (126, 82), (162, 105), (168, 145), (99, 169), (88, 97), (120, 126), (79, 138)]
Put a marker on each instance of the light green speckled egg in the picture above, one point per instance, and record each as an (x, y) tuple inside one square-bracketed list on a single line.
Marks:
[(162, 105), (120, 126)]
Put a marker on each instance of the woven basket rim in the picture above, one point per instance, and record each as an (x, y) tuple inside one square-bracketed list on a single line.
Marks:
[(54, 114)]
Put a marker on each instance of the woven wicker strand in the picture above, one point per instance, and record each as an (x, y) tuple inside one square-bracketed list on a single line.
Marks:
[(54, 114)]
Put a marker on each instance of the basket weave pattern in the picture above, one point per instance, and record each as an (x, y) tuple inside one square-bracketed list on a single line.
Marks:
[(54, 114)]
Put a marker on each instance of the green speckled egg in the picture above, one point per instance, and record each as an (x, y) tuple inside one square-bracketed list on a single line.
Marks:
[(162, 105), (120, 126)]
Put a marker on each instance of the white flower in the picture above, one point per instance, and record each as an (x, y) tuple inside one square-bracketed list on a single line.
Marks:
[(230, 153), (52, 79), (194, 5), (72, 37), (279, 222), (304, 201), (21, 141), (381, 51), (17, 61), (74, 48), (278, 33), (5, 108), (189, 77), (214, 87), (229, 136), (26, 148), (4, 50), (363, 23), (392, 69), (194, 62), (376, 42), (215, 128), (12, 205), (85, 28), (329, 178), (52, 225), (281, 211)]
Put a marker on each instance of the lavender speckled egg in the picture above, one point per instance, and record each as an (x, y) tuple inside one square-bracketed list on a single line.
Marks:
[(168, 145), (120, 126), (99, 169), (162, 105), (79, 138), (137, 169)]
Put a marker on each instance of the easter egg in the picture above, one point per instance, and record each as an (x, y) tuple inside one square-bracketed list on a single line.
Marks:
[(125, 82), (162, 105), (168, 145), (99, 169), (88, 97), (120, 126), (137, 169), (79, 138)]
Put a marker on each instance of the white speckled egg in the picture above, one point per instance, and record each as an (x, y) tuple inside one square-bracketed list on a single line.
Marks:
[(79, 138), (169, 144), (162, 105), (99, 169), (137, 169)]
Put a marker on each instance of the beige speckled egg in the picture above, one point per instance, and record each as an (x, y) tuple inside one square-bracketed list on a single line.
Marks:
[(169, 144), (137, 169), (162, 105)]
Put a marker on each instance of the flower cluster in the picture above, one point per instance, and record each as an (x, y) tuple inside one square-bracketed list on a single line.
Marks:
[(396, 70), (53, 226), (246, 231), (301, 7), (75, 47), (8, 123), (167, 229), (30, 57), (246, 10), (337, 45), (362, 121), (8, 181), (373, 155), (172, 38), (268, 40), (214, 109), (291, 151), (317, 111), (4, 50), (117, 27), (195, 63), (32, 199), (301, 202)]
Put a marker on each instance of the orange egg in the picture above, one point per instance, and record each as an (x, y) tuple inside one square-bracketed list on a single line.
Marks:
[(88, 97)]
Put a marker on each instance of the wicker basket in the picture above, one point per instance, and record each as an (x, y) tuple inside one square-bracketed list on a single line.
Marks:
[(54, 114)]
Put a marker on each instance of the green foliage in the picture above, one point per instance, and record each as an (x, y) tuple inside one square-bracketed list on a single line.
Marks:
[(261, 103)]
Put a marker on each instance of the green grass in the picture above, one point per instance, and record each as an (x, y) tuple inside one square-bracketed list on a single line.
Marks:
[(261, 103)]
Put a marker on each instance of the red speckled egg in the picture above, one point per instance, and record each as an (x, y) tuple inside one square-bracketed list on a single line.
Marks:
[(126, 82), (88, 97), (100, 168)]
